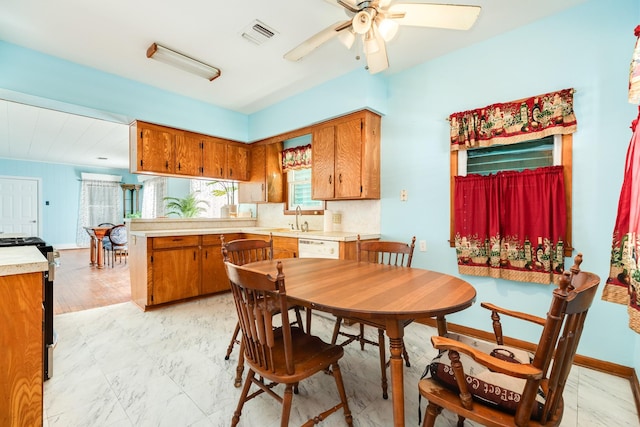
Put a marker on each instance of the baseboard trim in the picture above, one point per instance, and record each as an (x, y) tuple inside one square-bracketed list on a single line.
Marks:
[(584, 361)]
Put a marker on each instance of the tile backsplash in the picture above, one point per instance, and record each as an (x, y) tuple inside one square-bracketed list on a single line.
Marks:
[(359, 216)]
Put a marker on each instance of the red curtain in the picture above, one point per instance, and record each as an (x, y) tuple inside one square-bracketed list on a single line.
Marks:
[(623, 284), (511, 225), (296, 158)]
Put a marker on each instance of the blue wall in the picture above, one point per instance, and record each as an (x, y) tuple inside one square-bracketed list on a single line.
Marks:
[(587, 47), (61, 188)]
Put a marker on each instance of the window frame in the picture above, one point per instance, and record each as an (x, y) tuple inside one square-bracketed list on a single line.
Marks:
[(288, 211), (566, 160)]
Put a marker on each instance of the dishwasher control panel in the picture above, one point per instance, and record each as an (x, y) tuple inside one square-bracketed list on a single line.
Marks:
[(314, 248)]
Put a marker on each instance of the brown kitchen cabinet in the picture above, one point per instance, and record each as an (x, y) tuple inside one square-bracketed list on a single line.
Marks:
[(346, 158), (151, 148), (266, 183), (214, 276), (174, 268), (163, 150), (21, 358)]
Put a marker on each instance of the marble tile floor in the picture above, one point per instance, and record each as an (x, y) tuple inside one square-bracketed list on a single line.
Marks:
[(119, 366)]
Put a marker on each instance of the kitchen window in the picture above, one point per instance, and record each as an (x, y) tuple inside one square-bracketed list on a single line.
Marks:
[(299, 191)]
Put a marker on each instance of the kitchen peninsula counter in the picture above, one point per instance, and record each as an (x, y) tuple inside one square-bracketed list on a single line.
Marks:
[(173, 260), (340, 236), (21, 260)]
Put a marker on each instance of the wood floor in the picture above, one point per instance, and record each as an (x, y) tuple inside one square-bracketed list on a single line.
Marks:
[(79, 286)]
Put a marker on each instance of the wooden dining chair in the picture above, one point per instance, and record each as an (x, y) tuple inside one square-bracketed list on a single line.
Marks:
[(379, 252), (278, 354), (240, 252), (501, 386)]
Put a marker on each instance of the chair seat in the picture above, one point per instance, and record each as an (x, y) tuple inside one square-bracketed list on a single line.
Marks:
[(310, 355), (483, 414)]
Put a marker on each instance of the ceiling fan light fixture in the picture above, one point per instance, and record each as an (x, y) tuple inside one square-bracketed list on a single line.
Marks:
[(388, 29), (361, 22), (347, 38), (183, 62), (371, 43)]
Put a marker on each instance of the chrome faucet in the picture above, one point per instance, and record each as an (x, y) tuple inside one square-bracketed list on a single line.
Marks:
[(298, 215)]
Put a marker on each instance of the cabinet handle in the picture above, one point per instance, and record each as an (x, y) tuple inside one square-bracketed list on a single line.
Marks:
[(194, 255), (340, 178), (220, 171), (230, 172), (329, 179), (179, 166), (166, 164)]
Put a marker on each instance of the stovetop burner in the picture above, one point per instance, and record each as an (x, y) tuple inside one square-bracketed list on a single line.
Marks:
[(21, 241)]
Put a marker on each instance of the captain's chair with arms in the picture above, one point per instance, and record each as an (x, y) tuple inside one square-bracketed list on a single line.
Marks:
[(531, 391)]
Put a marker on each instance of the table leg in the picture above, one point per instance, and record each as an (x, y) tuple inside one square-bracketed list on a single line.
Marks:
[(395, 332), (100, 263), (93, 251), (441, 324)]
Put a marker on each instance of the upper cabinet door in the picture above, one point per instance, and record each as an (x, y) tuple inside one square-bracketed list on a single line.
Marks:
[(237, 162), (155, 149), (214, 156), (348, 160), (188, 154), (322, 163)]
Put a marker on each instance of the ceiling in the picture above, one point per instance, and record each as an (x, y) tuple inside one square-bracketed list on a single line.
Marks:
[(113, 36)]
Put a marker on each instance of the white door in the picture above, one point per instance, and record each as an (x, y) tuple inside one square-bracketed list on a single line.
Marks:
[(19, 206)]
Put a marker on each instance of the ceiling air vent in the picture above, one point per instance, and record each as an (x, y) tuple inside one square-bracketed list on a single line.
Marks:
[(258, 32)]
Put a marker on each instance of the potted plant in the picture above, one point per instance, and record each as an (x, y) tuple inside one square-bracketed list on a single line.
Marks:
[(227, 189), (187, 207)]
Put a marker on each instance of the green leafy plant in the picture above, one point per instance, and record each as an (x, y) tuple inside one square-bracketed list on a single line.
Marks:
[(225, 188), (137, 214), (186, 207)]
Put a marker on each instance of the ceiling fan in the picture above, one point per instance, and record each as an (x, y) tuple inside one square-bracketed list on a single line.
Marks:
[(377, 21)]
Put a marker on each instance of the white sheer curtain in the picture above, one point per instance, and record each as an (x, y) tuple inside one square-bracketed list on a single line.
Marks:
[(153, 193), (100, 201)]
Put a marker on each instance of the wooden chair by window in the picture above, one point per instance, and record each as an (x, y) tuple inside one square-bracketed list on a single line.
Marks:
[(531, 391), (380, 252), (240, 252), (278, 355)]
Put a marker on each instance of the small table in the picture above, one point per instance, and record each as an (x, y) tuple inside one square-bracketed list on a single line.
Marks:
[(97, 234), (386, 293)]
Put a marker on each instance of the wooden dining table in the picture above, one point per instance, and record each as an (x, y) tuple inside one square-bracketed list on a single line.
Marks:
[(388, 294), (95, 254)]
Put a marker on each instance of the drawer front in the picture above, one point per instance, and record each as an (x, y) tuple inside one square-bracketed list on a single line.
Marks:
[(175, 241), (214, 239)]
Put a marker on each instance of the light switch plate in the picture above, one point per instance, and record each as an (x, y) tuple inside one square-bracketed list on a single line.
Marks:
[(423, 245), (403, 195)]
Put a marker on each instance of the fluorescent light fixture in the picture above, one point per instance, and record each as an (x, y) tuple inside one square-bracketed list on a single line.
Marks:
[(183, 62)]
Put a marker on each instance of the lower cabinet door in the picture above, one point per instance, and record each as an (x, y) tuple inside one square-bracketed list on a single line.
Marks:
[(214, 276), (175, 274)]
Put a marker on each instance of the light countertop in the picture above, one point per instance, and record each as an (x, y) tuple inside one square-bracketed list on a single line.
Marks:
[(21, 259), (341, 236)]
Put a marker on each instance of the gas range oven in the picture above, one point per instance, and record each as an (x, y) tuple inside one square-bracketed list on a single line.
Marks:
[(50, 338)]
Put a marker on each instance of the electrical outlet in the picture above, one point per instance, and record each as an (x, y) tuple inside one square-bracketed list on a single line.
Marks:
[(423, 245), (403, 195)]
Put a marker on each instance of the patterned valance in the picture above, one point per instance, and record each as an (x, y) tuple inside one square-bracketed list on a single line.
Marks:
[(515, 121), (296, 158)]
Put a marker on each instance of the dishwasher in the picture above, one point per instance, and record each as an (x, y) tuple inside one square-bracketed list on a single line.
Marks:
[(315, 248)]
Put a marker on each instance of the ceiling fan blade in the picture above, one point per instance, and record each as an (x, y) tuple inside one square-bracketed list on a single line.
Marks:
[(316, 40), (454, 17), (378, 61), (350, 5)]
